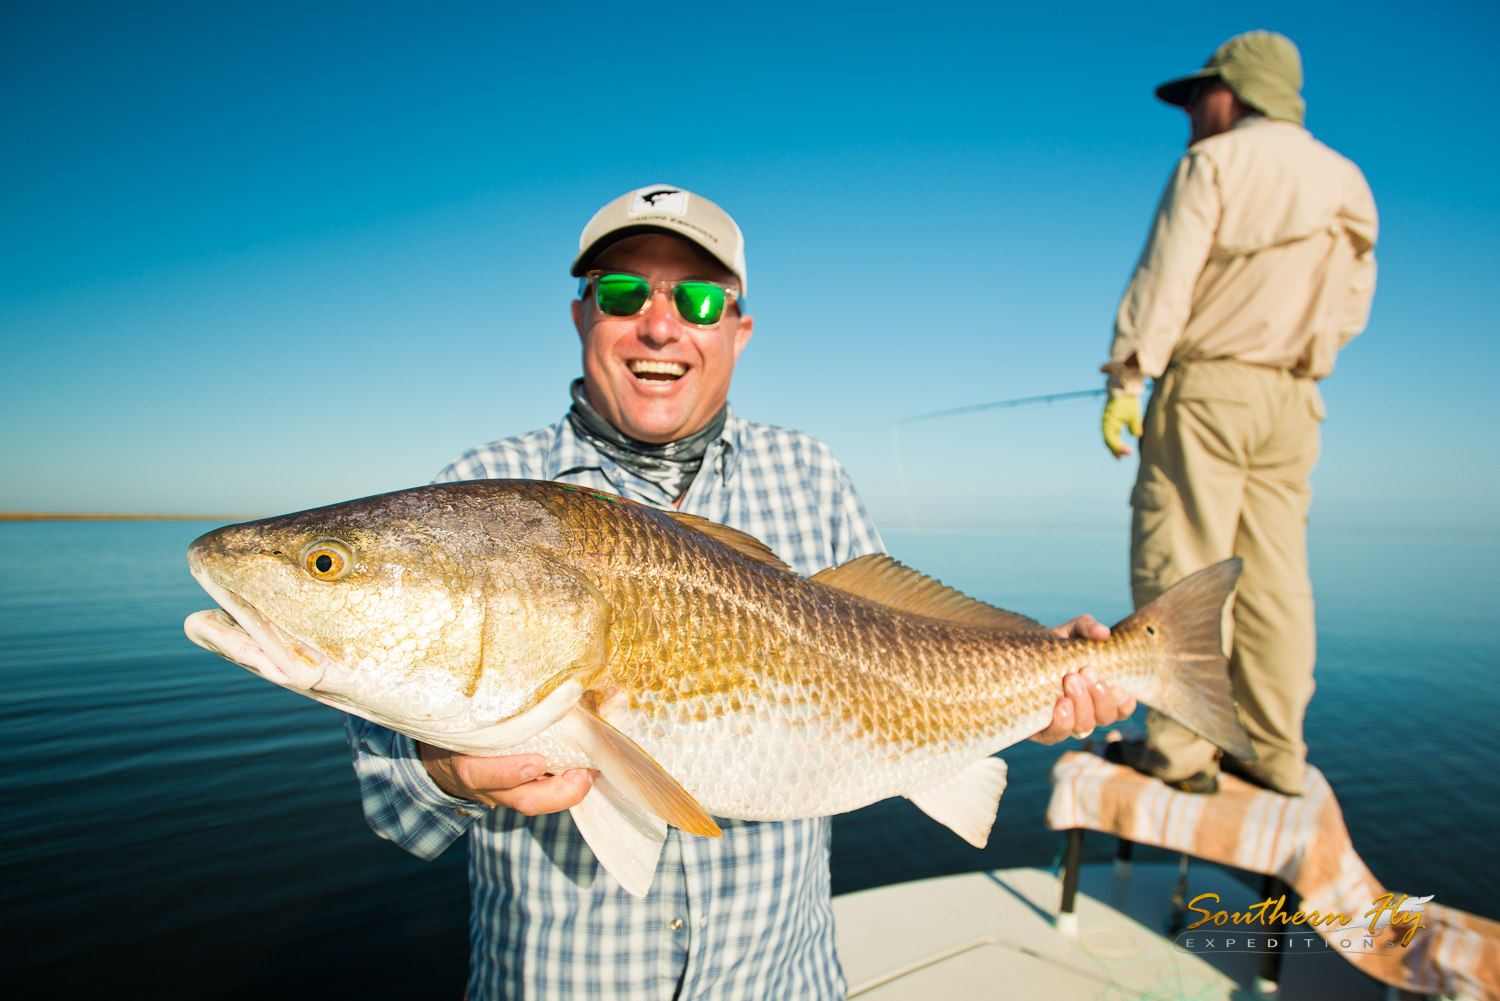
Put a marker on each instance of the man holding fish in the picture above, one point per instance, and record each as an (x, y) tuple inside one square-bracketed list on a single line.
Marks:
[(659, 316), (676, 625)]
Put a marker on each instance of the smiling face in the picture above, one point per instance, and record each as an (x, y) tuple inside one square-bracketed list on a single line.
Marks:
[(654, 376)]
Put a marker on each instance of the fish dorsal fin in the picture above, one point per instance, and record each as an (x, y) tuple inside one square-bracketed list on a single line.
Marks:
[(966, 803), (746, 545), (880, 579), (635, 774)]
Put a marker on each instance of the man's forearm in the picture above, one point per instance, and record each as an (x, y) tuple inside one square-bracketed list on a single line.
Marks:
[(1125, 377)]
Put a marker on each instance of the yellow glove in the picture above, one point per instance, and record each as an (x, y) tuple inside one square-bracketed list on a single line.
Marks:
[(1121, 412)]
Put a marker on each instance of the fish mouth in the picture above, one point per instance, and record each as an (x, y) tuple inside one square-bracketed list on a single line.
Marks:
[(238, 632), (656, 370)]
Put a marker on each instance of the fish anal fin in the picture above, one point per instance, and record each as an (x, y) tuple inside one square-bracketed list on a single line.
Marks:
[(635, 775), (743, 543), (966, 804), (624, 838), (880, 579)]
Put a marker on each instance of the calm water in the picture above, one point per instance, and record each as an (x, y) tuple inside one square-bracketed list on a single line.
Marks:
[(174, 827)]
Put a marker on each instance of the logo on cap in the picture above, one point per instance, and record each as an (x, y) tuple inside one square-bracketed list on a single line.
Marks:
[(670, 200)]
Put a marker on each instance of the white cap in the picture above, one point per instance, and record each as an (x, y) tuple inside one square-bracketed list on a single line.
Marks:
[(662, 208)]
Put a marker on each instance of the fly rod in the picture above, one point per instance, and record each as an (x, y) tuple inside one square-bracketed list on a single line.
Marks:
[(975, 408)]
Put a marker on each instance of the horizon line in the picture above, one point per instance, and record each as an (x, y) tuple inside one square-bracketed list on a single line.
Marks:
[(90, 516)]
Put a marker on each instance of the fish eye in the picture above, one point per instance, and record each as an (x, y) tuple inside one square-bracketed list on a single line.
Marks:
[(328, 559)]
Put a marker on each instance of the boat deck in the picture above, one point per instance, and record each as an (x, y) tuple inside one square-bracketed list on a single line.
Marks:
[(993, 935)]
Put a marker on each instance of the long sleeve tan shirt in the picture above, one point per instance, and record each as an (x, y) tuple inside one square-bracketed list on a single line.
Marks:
[(1262, 250)]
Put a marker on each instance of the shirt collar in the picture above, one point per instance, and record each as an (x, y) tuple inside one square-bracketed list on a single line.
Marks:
[(726, 449), (575, 452)]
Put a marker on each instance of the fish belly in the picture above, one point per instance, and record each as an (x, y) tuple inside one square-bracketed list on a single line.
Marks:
[(766, 768)]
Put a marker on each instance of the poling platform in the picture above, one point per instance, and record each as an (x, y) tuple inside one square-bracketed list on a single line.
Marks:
[(1300, 841)]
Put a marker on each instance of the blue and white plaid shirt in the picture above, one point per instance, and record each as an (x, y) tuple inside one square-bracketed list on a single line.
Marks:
[(747, 916)]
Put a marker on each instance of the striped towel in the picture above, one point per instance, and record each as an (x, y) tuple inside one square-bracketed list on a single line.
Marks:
[(1300, 840)]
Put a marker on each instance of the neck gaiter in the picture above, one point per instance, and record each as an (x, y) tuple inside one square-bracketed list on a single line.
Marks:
[(671, 466)]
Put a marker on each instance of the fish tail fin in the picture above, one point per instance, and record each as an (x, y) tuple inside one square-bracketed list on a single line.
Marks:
[(1193, 687)]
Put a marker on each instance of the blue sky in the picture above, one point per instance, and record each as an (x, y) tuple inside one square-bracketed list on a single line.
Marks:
[(262, 257)]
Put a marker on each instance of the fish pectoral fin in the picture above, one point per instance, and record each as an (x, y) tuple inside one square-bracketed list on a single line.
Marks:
[(636, 775), (878, 578), (966, 804), (624, 838)]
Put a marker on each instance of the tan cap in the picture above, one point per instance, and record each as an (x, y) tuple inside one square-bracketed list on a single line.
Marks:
[(1263, 68), (662, 208)]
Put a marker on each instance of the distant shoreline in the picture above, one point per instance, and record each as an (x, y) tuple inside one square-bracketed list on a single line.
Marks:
[(56, 516)]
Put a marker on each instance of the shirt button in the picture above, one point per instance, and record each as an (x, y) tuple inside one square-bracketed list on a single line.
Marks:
[(675, 924), (703, 921), (461, 811)]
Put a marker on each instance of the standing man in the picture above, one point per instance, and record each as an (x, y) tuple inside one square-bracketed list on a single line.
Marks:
[(746, 916), (1259, 267)]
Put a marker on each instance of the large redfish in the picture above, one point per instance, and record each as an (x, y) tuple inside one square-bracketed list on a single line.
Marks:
[(680, 658)]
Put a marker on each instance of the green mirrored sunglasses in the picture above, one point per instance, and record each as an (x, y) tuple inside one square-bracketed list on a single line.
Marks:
[(698, 302)]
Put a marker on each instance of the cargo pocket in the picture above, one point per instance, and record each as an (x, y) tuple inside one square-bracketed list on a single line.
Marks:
[(1152, 495), (1153, 503)]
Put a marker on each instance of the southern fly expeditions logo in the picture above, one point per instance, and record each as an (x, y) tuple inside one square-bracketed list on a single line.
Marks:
[(1390, 923), (659, 198)]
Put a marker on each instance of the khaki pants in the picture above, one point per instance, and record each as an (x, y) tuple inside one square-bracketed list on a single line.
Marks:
[(1225, 461)]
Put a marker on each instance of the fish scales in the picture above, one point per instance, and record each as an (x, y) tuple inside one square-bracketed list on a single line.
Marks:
[(517, 616), (716, 655)]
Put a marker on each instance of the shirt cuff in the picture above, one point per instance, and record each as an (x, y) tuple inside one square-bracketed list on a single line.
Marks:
[(401, 802), (1124, 381), (417, 781)]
